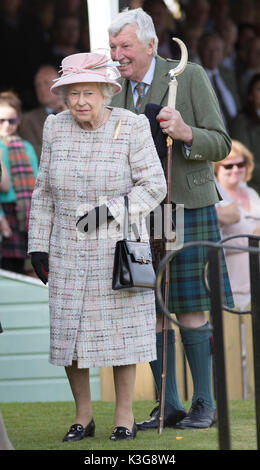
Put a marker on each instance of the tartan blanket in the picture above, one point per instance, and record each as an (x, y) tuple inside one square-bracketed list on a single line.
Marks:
[(22, 179)]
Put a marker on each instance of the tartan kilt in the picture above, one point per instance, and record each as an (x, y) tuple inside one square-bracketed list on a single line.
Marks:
[(15, 246), (187, 291)]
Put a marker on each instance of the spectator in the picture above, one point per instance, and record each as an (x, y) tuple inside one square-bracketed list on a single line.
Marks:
[(20, 161), (191, 36), (165, 26), (68, 7), (246, 127), (219, 11), (239, 213), (78, 8), (46, 12), (246, 11), (66, 35), (228, 30), (252, 64), (246, 32), (84, 40), (22, 49), (197, 14), (211, 52), (32, 121)]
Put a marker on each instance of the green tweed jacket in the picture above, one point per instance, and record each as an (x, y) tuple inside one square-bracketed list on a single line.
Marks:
[(192, 173)]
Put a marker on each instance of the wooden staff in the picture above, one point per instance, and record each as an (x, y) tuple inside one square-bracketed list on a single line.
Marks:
[(167, 227)]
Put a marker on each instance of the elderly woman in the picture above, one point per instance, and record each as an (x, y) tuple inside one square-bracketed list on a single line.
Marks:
[(93, 155), (238, 213)]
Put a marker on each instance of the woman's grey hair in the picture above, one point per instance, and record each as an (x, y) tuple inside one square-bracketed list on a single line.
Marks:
[(143, 23), (106, 90)]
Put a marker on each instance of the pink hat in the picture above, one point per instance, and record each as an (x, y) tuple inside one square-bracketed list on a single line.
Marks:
[(87, 67)]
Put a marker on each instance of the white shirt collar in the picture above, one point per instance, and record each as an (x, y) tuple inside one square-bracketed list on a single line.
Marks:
[(148, 78)]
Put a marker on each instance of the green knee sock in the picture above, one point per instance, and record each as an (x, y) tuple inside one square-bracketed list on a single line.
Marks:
[(171, 392), (198, 352)]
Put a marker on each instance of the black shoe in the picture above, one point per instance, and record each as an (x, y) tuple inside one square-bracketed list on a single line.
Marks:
[(200, 416), (77, 432), (121, 433), (171, 417)]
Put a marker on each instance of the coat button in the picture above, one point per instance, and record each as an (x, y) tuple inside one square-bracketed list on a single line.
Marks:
[(81, 273)]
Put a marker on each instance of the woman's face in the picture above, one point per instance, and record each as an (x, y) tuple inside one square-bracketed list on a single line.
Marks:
[(9, 120), (86, 104), (232, 172)]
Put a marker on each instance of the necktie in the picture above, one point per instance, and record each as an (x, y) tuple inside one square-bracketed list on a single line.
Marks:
[(222, 104), (140, 90)]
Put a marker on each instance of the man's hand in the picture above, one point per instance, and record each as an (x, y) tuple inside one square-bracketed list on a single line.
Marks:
[(172, 124)]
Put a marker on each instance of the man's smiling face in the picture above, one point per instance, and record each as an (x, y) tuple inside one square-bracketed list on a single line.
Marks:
[(134, 57)]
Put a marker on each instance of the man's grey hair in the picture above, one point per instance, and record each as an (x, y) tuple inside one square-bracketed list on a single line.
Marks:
[(106, 90), (143, 23)]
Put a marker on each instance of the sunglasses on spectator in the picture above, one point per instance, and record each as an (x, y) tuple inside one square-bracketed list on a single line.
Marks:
[(229, 166), (11, 121)]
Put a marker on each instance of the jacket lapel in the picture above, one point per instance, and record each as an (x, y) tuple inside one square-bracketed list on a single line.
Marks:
[(158, 93), (159, 88), (120, 100)]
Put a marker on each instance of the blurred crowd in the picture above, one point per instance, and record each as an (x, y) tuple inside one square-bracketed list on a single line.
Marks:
[(37, 32), (223, 36)]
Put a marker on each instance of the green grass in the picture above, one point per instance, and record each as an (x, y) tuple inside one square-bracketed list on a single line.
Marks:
[(41, 426)]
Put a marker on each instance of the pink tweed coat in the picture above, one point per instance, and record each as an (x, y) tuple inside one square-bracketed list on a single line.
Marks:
[(89, 322)]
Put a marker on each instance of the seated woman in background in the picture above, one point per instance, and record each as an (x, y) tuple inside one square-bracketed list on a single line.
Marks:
[(238, 213), (245, 127), (20, 161)]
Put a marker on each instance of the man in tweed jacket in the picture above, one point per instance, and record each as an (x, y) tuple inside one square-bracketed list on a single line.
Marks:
[(199, 139)]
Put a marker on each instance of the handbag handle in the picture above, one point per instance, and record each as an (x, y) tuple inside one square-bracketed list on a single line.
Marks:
[(126, 223)]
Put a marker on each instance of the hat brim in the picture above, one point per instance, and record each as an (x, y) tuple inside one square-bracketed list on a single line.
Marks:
[(81, 78)]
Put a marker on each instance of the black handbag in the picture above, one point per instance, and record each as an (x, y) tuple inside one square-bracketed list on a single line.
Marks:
[(133, 268)]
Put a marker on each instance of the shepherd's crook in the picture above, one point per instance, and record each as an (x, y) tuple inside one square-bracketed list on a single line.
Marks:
[(173, 73)]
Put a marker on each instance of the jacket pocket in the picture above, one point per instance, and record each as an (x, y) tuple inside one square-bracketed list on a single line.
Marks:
[(199, 178)]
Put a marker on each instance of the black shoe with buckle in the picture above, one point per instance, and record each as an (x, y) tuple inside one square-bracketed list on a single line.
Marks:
[(77, 432), (200, 416), (120, 433), (171, 417)]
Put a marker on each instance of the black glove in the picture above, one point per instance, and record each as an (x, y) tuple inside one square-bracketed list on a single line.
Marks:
[(90, 221), (40, 262)]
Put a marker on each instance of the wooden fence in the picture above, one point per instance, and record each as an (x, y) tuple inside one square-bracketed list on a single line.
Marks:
[(239, 363)]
